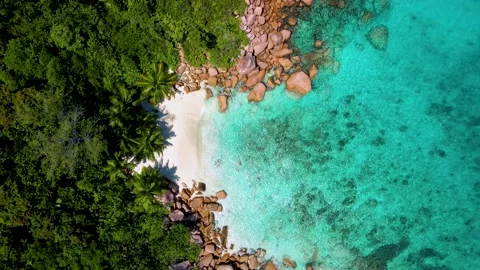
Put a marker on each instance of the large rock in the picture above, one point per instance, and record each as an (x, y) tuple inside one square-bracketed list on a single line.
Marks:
[(209, 249), (292, 21), (286, 63), (234, 80), (225, 267), (181, 68), (212, 72), (278, 72), (262, 65), (196, 238), (216, 207), (221, 194), (259, 48), (257, 93), (283, 52), (308, 2), (261, 20), (255, 78), (378, 37), (276, 38), (206, 260), (250, 19), (253, 262), (246, 64), (196, 202), (176, 215), (165, 198), (222, 104), (299, 82), (186, 265), (286, 34), (212, 81), (312, 72)]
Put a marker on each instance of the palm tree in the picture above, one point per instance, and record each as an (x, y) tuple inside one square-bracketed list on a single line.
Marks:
[(123, 106), (146, 184), (157, 84), (151, 140), (118, 169)]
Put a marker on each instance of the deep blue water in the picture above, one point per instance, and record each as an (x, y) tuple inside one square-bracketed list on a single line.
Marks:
[(379, 165)]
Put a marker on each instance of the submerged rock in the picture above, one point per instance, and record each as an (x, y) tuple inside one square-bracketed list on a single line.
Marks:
[(378, 37), (380, 5)]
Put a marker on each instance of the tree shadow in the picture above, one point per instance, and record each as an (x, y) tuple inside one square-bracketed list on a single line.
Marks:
[(170, 172), (162, 117)]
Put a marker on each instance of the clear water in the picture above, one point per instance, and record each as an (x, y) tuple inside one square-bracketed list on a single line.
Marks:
[(377, 167)]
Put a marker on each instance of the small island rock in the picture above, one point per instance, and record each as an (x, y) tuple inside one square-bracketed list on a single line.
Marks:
[(222, 103), (221, 194)]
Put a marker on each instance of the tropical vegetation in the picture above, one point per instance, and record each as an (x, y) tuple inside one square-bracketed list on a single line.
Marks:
[(73, 78)]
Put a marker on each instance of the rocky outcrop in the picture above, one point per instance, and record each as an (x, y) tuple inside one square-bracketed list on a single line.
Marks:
[(216, 254), (268, 25), (299, 82), (378, 37)]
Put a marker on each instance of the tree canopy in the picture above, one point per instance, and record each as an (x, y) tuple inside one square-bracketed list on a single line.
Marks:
[(72, 127)]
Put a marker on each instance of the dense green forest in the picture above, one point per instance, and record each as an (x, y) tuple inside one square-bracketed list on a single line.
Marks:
[(72, 126)]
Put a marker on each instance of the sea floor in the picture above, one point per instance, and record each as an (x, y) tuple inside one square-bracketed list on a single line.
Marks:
[(378, 167)]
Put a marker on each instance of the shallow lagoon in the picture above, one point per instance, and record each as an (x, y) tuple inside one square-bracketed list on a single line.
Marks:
[(378, 165)]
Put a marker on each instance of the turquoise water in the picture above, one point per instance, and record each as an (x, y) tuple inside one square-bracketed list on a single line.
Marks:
[(377, 167)]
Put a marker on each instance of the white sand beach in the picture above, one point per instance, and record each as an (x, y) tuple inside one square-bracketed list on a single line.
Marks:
[(182, 115)]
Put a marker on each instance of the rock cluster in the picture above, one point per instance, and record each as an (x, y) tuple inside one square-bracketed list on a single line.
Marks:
[(267, 50), (195, 210)]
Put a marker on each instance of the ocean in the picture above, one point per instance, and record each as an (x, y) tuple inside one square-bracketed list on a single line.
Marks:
[(378, 167)]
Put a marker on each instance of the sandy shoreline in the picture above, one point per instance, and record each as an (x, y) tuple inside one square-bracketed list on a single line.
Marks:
[(182, 114)]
